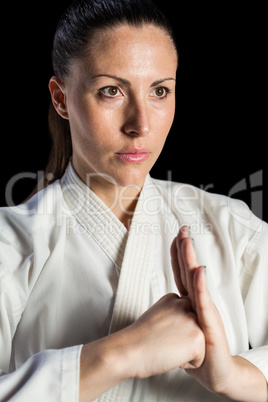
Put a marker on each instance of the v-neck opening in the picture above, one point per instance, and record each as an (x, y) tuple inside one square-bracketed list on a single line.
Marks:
[(94, 216)]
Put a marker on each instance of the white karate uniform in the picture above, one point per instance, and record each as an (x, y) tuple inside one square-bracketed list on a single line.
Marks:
[(71, 273)]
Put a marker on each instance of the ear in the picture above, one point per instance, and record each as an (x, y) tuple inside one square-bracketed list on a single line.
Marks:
[(56, 88)]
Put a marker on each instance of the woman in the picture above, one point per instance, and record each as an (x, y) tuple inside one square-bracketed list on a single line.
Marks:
[(89, 305)]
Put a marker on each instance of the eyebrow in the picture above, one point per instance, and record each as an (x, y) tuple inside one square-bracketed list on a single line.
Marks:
[(126, 82)]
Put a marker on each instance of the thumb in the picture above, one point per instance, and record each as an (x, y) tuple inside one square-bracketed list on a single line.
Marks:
[(176, 268), (209, 319), (205, 309)]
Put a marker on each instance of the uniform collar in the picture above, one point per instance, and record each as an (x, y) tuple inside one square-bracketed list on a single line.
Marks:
[(100, 222), (97, 220)]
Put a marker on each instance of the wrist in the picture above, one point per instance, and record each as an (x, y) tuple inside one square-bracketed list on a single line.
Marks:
[(103, 364), (246, 382), (118, 354)]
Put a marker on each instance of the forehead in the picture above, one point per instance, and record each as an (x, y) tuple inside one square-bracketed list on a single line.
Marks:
[(130, 50)]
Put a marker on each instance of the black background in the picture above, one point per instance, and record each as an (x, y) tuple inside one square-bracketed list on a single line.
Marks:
[(218, 137)]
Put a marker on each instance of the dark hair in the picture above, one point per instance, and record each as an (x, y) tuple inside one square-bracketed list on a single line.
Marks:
[(78, 24)]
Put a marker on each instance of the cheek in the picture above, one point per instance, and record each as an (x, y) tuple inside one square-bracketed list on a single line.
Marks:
[(98, 117), (83, 121), (171, 112), (164, 121), (94, 134)]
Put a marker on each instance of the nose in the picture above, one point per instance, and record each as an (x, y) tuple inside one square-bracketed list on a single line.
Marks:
[(137, 121)]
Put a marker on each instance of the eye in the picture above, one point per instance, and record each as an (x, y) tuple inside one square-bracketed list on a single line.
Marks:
[(111, 92), (160, 92)]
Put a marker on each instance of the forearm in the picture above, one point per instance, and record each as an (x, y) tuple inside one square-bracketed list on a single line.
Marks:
[(165, 337), (102, 366), (247, 383)]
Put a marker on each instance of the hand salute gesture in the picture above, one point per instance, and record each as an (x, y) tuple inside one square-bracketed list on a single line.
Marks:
[(183, 331), (230, 376)]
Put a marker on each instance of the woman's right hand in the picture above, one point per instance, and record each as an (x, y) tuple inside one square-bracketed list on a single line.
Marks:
[(165, 337)]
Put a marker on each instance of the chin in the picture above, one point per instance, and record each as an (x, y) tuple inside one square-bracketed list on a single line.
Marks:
[(134, 177)]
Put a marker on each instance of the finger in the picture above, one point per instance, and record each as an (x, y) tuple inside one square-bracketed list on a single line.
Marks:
[(210, 321), (189, 258), (205, 309), (182, 235), (176, 268)]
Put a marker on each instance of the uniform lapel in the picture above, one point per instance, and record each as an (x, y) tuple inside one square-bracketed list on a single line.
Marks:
[(132, 297)]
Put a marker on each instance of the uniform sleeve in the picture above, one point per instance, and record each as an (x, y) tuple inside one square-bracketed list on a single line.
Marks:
[(254, 285), (52, 375)]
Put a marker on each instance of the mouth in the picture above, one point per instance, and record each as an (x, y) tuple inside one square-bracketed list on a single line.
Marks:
[(134, 155)]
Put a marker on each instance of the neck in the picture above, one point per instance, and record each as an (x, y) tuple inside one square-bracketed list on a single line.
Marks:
[(122, 201)]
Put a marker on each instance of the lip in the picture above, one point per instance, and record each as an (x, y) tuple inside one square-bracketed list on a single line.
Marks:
[(134, 155)]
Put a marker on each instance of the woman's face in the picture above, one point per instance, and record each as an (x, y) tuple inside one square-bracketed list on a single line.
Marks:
[(120, 102)]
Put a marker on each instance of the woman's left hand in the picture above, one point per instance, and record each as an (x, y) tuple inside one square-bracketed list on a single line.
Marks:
[(227, 375)]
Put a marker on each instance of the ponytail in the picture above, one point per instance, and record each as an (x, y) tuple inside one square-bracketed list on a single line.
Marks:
[(61, 151)]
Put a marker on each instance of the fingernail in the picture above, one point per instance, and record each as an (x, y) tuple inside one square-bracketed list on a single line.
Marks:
[(186, 229), (205, 270)]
